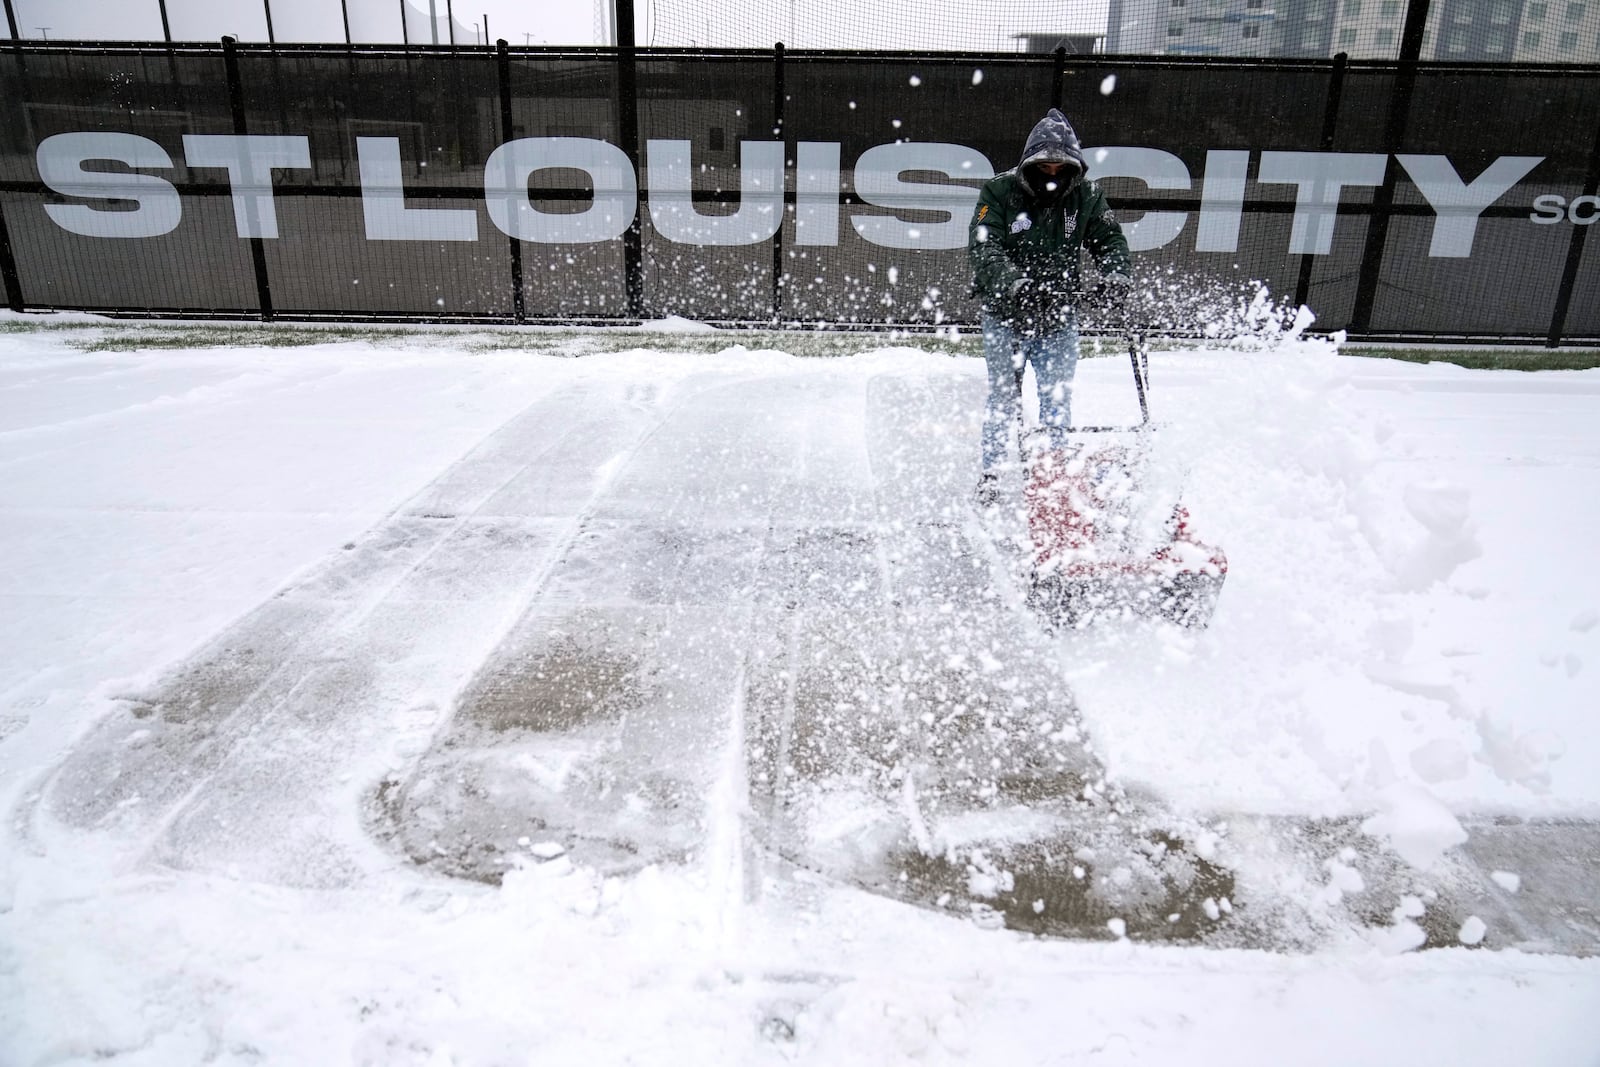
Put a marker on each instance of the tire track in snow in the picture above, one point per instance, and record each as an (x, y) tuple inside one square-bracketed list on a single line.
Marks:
[(262, 704), (936, 755), (600, 724)]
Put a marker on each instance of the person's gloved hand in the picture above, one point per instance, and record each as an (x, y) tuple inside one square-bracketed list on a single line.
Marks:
[(1023, 300), (1111, 297), (1113, 291)]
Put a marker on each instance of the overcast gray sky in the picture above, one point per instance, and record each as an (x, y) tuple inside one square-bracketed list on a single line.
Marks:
[(518, 21)]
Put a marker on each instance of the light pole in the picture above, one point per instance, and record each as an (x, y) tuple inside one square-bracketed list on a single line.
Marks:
[(44, 31), (475, 38)]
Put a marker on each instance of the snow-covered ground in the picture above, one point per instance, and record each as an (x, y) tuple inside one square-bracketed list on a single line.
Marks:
[(641, 644)]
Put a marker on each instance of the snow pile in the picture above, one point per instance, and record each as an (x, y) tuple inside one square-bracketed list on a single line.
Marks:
[(676, 324), (1358, 642), (1415, 825), (1444, 511)]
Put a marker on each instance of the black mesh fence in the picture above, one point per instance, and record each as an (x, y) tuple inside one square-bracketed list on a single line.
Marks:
[(715, 170), (1419, 200), (140, 106), (419, 126)]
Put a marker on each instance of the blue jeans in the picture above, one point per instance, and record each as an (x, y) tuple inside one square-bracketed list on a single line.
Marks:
[(1054, 357)]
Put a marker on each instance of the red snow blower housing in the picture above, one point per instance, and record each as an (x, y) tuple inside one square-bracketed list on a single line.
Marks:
[(1101, 549)]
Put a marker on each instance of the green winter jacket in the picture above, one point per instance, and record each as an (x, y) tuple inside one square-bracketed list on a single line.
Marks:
[(1025, 244)]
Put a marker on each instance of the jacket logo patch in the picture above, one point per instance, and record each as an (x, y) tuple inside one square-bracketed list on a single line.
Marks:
[(1020, 223), (1071, 224), (983, 209)]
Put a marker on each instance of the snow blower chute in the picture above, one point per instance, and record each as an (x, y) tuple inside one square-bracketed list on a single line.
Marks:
[(1101, 547)]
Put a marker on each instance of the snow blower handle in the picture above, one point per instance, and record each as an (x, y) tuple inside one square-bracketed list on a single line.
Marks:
[(1139, 355)]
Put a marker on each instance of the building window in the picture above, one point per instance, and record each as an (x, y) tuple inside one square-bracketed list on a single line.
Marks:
[(1569, 42), (1253, 5), (1530, 39), (1575, 12), (1347, 37), (1352, 9), (1385, 38), (1537, 12), (1500, 12), (1179, 3), (1250, 32), (1174, 29), (1495, 42), (1390, 9)]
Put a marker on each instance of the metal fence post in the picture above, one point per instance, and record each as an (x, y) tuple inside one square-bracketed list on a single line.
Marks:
[(1569, 272), (8, 266), (1058, 77), (258, 248), (628, 141), (519, 299), (779, 131), (1330, 125), (1405, 83), (8, 261)]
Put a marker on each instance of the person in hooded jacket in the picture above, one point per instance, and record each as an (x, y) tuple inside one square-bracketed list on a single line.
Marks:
[(1025, 243)]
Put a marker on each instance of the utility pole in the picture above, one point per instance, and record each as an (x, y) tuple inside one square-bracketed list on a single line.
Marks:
[(486, 38), (11, 20), (166, 27), (450, 17), (433, 19), (268, 5), (44, 31), (344, 9)]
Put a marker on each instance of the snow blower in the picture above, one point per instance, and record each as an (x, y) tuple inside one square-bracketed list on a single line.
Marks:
[(1102, 548)]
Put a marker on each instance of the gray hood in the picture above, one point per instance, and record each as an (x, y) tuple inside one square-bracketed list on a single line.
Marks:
[(1052, 141)]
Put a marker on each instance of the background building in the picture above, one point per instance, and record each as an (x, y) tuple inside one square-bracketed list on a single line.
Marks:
[(1523, 31)]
